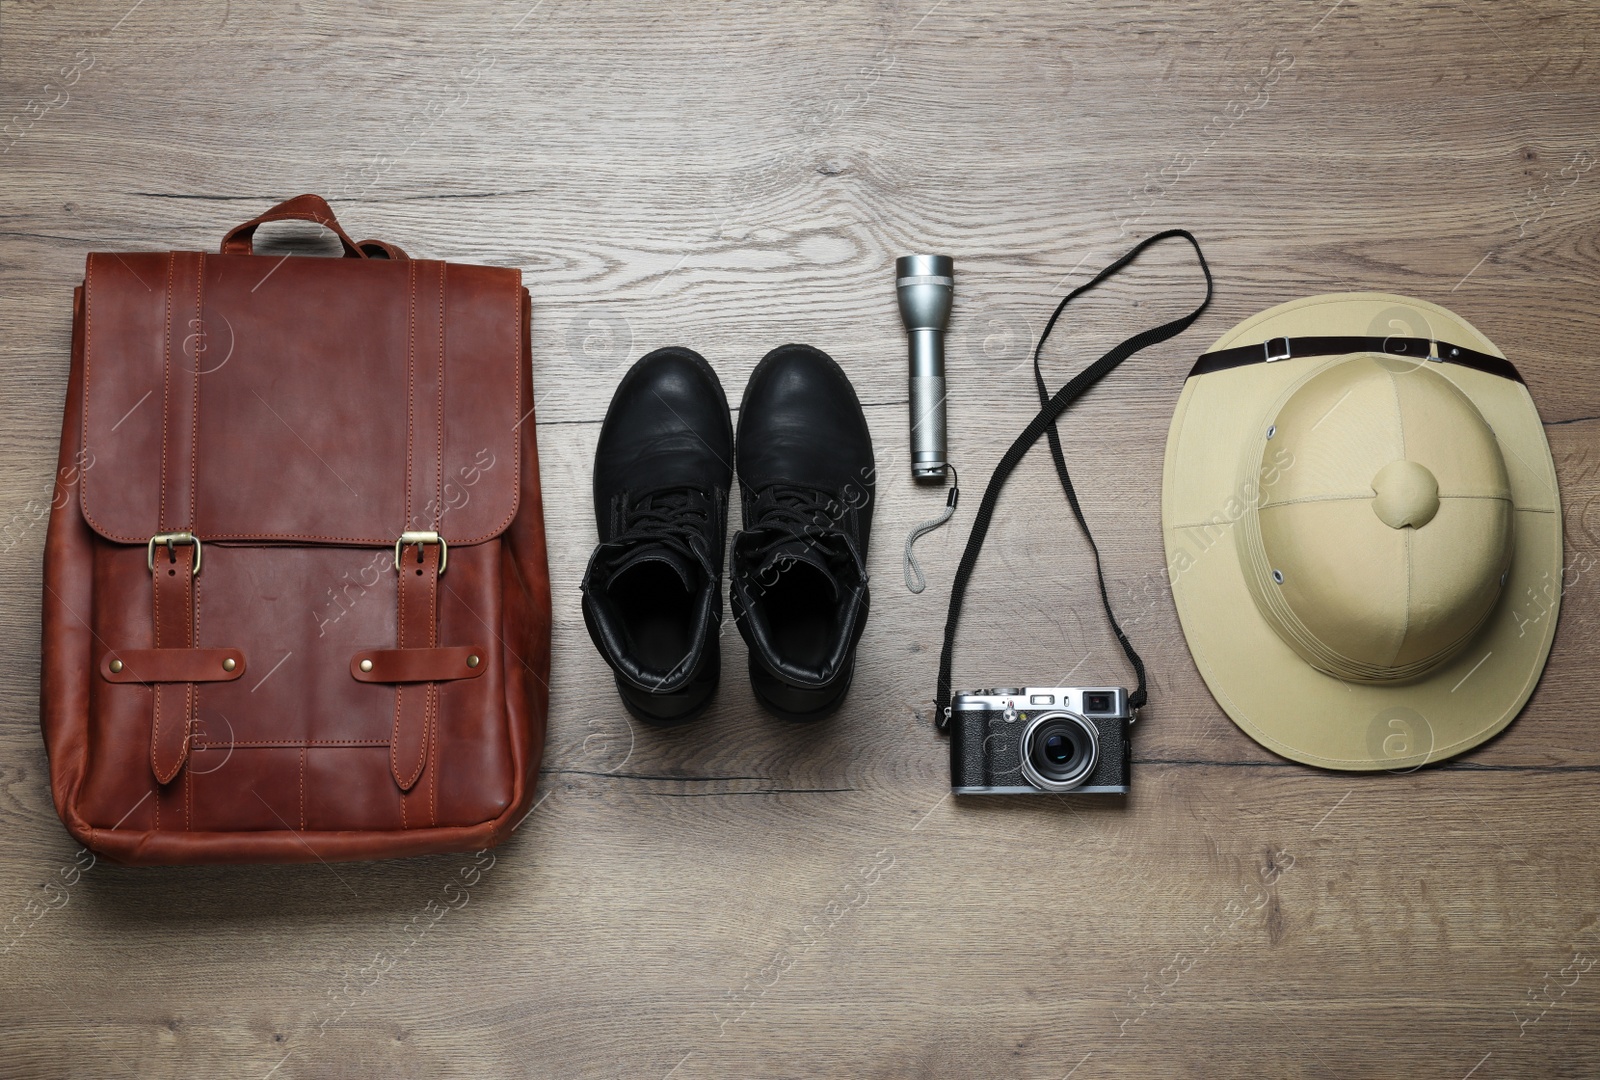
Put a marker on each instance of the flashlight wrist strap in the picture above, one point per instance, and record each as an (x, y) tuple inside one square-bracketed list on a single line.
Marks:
[(1045, 424)]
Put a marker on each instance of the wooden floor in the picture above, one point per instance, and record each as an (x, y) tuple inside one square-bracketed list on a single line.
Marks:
[(745, 898)]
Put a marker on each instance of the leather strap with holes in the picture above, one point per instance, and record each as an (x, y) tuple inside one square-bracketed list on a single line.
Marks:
[(416, 706), (172, 570), (172, 719)]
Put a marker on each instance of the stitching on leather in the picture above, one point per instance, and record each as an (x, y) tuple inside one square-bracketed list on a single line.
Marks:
[(400, 637), (188, 733), (399, 691), (433, 751), (433, 608), (406, 783), (194, 430), (166, 394), (379, 541), (155, 732), (155, 691), (422, 749), (438, 464), (352, 541), (302, 789), (431, 746), (88, 341), (194, 631), (278, 744), (430, 690), (193, 589), (521, 324), (264, 538), (186, 598), (400, 577), (411, 379), (430, 560), (191, 703), (404, 585), (394, 735)]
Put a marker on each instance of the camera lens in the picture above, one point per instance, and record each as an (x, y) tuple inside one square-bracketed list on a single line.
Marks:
[(1059, 748), (1059, 751)]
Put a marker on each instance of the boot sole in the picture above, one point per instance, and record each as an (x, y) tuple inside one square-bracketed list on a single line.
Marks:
[(819, 713), (664, 722)]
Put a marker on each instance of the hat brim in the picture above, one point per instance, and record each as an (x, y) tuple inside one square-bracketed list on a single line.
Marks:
[(1263, 685)]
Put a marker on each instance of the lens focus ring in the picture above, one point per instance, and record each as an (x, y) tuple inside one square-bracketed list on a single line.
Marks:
[(1059, 751)]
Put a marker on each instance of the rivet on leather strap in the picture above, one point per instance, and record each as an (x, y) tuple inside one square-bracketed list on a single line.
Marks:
[(149, 666), (418, 665)]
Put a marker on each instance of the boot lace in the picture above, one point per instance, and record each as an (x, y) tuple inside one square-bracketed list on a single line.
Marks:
[(676, 517), (798, 514)]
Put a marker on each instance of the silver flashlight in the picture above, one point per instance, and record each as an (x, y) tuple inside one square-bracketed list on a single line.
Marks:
[(925, 285)]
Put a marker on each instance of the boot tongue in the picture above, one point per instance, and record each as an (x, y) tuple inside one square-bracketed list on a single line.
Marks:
[(783, 556), (686, 567)]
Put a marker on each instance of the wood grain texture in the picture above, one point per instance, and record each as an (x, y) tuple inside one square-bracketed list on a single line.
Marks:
[(747, 898)]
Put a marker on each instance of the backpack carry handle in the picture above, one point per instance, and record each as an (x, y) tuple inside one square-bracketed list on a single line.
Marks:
[(307, 208)]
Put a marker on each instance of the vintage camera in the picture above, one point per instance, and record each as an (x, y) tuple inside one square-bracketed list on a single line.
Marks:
[(1040, 741)]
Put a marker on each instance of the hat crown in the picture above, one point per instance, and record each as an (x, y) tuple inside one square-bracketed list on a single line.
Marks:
[(1406, 494), (1378, 550)]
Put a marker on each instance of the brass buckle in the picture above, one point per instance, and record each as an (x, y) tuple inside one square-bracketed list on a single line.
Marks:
[(420, 538), (171, 540)]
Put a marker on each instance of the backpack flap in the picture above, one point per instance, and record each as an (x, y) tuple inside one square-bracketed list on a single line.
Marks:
[(300, 400)]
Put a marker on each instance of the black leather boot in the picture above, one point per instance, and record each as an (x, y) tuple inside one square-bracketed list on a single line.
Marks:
[(652, 595), (799, 578)]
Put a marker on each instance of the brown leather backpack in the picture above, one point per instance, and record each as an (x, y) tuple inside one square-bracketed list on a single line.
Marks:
[(298, 606)]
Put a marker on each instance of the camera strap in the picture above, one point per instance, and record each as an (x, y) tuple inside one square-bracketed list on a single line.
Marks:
[(1045, 424)]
